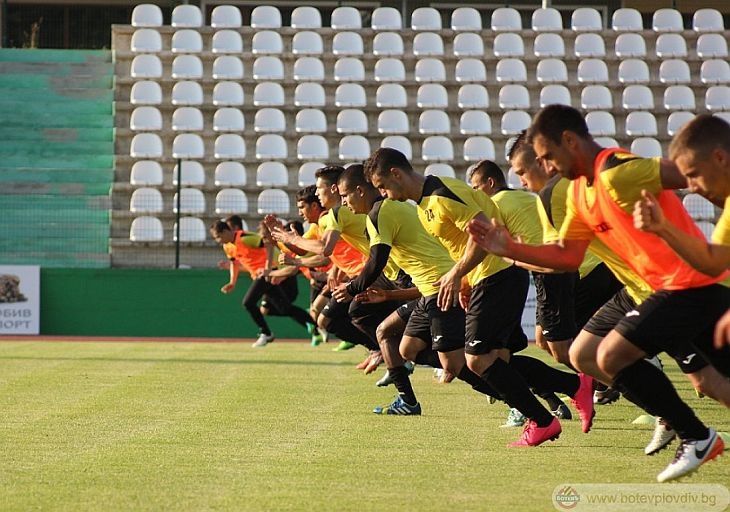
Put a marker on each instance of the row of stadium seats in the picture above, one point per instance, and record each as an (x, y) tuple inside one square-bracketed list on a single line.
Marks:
[(192, 201)]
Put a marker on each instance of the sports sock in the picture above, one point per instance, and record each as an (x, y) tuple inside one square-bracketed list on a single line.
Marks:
[(542, 377), (343, 329), (478, 384), (428, 357), (402, 383)]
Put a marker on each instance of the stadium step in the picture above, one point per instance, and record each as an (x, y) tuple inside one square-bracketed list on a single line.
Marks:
[(56, 134), (35, 84), (51, 148), (20, 175)]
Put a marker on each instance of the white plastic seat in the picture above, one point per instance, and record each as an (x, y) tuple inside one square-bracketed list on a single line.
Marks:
[(192, 201), (548, 45), (437, 148), (231, 201), (434, 122), (551, 71), (470, 70), (145, 118), (596, 97), (679, 97), (432, 96), (146, 66), (269, 120), (627, 19), (511, 70), (392, 121), (698, 207), (187, 67), (399, 142), (228, 119), (146, 229), (514, 121), (475, 122), (305, 174), (671, 46), (439, 169), (426, 18), (640, 124), (430, 70), (312, 147), (272, 174), (667, 20), (717, 97), (188, 146), (225, 16), (230, 174), (592, 71), (345, 18), (386, 18), (145, 200), (715, 71), (478, 148), (145, 92), (586, 19), (465, 19), (647, 147), (309, 94), (192, 229), (350, 95), (386, 44), (389, 69), (468, 44), (349, 69), (601, 123), (506, 19), (307, 42), (268, 67), (146, 145), (306, 17), (186, 15), (274, 201), (707, 20), (606, 142), (637, 97), (146, 15), (391, 96), (308, 69), (353, 148), (547, 19), (555, 94), (633, 71), (192, 174), (707, 228), (630, 45), (146, 40), (187, 93), (712, 46), (352, 120), (267, 42), (229, 146), (472, 96), (187, 119), (265, 17), (228, 94), (674, 71), (589, 45), (310, 120), (227, 67), (145, 173), (186, 41), (508, 44), (676, 120), (427, 44), (514, 96), (349, 43), (227, 41)]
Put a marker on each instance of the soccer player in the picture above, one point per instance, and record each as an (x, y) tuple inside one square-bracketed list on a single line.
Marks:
[(496, 292), (677, 318)]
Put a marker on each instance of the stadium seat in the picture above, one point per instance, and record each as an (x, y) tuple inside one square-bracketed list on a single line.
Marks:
[(667, 20), (353, 148), (310, 120), (426, 18), (596, 97), (386, 18), (641, 124), (186, 41), (352, 120), (274, 201), (627, 20), (146, 229), (601, 123), (606, 142), (586, 19), (679, 97), (514, 121), (475, 122), (478, 148), (272, 174), (229, 146), (192, 174), (430, 70), (389, 70), (399, 142), (387, 44), (506, 19), (305, 174), (351, 95), (308, 69), (427, 44), (225, 16), (589, 45), (229, 201), (674, 71), (146, 40), (698, 207), (265, 17), (309, 94), (715, 71), (392, 121), (439, 169), (637, 97), (227, 67), (547, 19), (511, 70), (186, 93), (468, 44), (192, 201), (555, 94), (269, 120), (647, 147), (676, 120), (432, 96), (145, 92), (349, 69), (145, 173), (712, 46), (312, 147), (267, 42), (146, 66), (228, 94), (146, 200), (145, 118), (508, 44), (434, 122), (268, 68), (146, 145), (465, 19), (146, 15), (390, 96), (671, 46), (633, 71), (707, 20), (551, 71), (188, 146), (228, 119), (514, 96), (271, 146), (187, 16), (472, 96), (349, 43), (707, 228), (192, 229), (470, 70), (437, 148), (345, 18), (548, 45), (307, 42), (306, 17), (187, 67), (187, 119), (717, 97), (630, 45), (230, 174)]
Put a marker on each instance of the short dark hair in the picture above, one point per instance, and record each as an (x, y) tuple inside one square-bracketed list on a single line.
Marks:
[(551, 121), (296, 225), (701, 135), (219, 226), (354, 176), (487, 169), (234, 221), (308, 195), (384, 159), (329, 174)]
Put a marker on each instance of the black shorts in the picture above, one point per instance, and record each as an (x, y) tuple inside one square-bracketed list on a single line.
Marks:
[(605, 319), (494, 317), (279, 297), (555, 304), (445, 329), (593, 291), (405, 310), (680, 323)]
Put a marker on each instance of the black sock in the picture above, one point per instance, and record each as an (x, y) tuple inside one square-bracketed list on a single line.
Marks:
[(343, 329), (429, 358), (513, 389), (659, 398), (543, 377), (551, 398), (402, 383), (477, 383)]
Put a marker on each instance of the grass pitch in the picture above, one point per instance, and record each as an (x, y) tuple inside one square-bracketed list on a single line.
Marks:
[(221, 426)]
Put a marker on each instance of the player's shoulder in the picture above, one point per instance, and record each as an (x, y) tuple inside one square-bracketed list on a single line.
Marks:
[(442, 187)]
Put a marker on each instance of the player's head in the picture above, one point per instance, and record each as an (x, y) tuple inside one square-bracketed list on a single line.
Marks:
[(386, 169), (308, 204), (296, 225), (701, 151), (234, 222), (532, 174), (356, 192), (221, 232), (326, 185), (486, 176)]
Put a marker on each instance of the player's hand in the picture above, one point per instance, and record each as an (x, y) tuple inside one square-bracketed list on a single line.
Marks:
[(464, 296), (648, 215), (490, 236), (228, 287), (371, 296), (276, 280), (224, 264), (341, 294), (449, 286), (722, 331)]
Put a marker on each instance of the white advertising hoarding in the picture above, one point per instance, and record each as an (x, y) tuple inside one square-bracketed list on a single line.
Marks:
[(20, 299)]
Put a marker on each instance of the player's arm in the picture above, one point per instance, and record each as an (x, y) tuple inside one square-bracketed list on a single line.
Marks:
[(722, 331), (294, 240), (329, 241), (233, 270), (311, 261), (374, 295), (377, 260)]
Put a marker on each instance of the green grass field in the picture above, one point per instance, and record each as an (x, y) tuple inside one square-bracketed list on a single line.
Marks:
[(221, 426)]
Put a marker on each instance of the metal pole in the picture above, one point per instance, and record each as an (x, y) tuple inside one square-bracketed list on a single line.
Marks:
[(177, 215)]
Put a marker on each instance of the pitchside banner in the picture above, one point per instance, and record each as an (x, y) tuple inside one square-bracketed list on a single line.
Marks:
[(19, 299)]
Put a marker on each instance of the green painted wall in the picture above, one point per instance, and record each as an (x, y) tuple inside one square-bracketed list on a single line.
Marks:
[(146, 302)]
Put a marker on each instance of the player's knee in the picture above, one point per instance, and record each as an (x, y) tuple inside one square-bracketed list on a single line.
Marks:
[(323, 322)]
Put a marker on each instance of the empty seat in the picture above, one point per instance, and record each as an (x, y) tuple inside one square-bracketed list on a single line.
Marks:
[(679, 97), (305, 17), (353, 148), (192, 201), (349, 69), (312, 147), (707, 20), (351, 95), (272, 174), (712, 46), (586, 19), (630, 45), (348, 43), (468, 44), (191, 174), (269, 120), (437, 148), (265, 16), (717, 97), (188, 146), (430, 70), (506, 19), (345, 18), (514, 121), (548, 45), (307, 42), (641, 124), (426, 18), (231, 201), (187, 16), (187, 119), (146, 40), (601, 123), (633, 71), (228, 119), (389, 70), (627, 20), (434, 122), (145, 200), (508, 44), (471, 96), (146, 229), (187, 93), (715, 71), (674, 71), (647, 147), (230, 174), (187, 67), (308, 69), (227, 41), (475, 122), (309, 94), (596, 97), (551, 71), (427, 43), (547, 19), (145, 92), (268, 68), (146, 66), (470, 70), (478, 148), (305, 174), (186, 41), (555, 94), (387, 44), (676, 120), (310, 120), (225, 16), (637, 97), (514, 96), (192, 229), (667, 20), (606, 142), (145, 173), (227, 67), (432, 96), (466, 19), (229, 146), (390, 96), (386, 18), (274, 201), (146, 145), (146, 15), (439, 169), (352, 120), (698, 207), (146, 118), (399, 142), (511, 70), (669, 46), (267, 42), (589, 45), (228, 94), (392, 121)]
